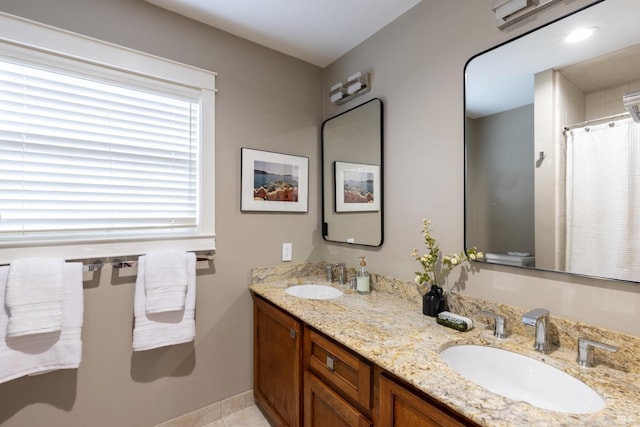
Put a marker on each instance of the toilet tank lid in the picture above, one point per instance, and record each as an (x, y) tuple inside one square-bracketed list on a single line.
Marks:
[(509, 256)]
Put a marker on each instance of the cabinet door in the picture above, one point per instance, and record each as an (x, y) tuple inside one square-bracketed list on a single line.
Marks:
[(277, 369), (400, 407), (325, 408)]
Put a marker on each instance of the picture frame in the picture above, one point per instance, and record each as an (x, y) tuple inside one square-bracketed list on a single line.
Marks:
[(273, 182), (357, 187)]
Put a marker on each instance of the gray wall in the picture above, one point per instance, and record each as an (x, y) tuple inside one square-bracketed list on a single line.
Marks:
[(416, 65), (500, 150), (269, 101), (266, 100)]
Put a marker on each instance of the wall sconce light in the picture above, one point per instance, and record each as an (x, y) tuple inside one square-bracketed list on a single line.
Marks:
[(336, 92), (509, 12), (357, 84), (504, 8)]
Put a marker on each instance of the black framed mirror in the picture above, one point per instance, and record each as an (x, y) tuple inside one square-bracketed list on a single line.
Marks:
[(352, 176), (524, 200)]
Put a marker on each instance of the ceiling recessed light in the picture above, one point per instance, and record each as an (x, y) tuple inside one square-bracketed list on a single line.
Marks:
[(580, 34)]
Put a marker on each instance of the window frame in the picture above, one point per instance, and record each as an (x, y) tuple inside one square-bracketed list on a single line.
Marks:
[(35, 42)]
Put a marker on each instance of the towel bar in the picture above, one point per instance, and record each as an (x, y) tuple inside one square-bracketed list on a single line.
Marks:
[(125, 263), (96, 264)]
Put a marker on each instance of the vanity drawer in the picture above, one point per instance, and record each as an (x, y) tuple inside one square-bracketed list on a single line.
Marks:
[(340, 368)]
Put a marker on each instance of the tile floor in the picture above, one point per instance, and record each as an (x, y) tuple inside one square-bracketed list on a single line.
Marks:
[(248, 417)]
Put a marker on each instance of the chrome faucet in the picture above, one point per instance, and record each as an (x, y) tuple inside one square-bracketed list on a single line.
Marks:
[(585, 351), (342, 272), (329, 268), (539, 319)]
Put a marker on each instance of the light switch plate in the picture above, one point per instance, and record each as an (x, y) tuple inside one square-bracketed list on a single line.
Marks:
[(287, 251)]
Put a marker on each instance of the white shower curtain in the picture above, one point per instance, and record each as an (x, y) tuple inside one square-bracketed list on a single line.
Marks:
[(603, 200)]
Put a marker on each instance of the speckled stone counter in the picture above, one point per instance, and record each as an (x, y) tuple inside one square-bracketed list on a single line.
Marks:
[(388, 328)]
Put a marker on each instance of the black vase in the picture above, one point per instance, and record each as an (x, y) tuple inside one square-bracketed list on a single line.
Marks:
[(433, 302)]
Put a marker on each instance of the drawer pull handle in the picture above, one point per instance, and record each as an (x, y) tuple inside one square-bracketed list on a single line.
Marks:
[(293, 333), (330, 362)]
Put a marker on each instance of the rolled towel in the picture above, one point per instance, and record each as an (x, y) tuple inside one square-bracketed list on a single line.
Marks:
[(165, 280), (153, 330), (34, 296)]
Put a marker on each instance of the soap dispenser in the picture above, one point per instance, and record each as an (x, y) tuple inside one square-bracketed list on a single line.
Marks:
[(363, 284)]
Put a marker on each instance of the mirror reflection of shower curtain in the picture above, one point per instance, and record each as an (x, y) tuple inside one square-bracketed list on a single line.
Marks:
[(603, 200)]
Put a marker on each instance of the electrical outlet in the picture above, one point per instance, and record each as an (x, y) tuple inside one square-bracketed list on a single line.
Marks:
[(287, 251)]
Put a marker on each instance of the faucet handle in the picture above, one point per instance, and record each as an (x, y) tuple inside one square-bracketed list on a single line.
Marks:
[(585, 351), (501, 324)]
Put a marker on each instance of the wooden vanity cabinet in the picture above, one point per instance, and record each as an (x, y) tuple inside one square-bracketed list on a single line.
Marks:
[(337, 384), (277, 363), (401, 405), (302, 377)]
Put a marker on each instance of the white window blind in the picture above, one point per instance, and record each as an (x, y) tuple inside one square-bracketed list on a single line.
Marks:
[(104, 151), (82, 157)]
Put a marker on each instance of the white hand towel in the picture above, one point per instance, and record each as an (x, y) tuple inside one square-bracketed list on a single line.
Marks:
[(34, 296), (165, 282), (153, 330), (40, 353)]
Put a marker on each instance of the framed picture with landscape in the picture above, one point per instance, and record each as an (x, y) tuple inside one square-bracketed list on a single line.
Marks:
[(273, 182), (357, 187)]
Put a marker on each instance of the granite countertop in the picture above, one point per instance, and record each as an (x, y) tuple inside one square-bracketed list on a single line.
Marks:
[(392, 332)]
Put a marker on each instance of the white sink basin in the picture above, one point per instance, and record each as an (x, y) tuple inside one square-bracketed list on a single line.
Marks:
[(520, 377), (314, 292)]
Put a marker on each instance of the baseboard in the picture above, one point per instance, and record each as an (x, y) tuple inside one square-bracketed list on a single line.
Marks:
[(213, 412)]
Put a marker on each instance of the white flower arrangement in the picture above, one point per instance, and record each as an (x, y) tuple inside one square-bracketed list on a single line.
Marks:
[(433, 274)]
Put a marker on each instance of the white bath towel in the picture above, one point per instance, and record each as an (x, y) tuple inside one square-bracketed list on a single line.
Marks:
[(165, 280), (39, 353), (34, 296), (153, 330)]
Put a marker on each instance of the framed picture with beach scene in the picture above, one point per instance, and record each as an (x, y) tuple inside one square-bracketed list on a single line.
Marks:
[(357, 187), (273, 182)]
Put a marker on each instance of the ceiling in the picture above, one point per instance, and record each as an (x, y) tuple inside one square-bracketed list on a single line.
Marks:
[(503, 78), (605, 71), (315, 31)]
